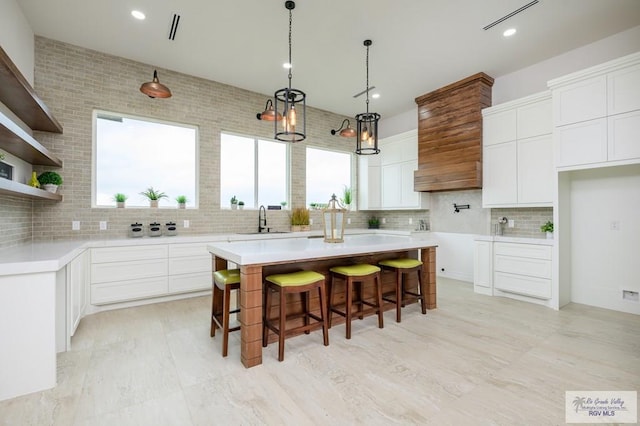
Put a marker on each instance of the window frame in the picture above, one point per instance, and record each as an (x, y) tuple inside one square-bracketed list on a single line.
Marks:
[(94, 155)]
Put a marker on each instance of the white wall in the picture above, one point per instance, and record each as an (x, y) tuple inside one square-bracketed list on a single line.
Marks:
[(604, 261), (16, 38), (455, 255)]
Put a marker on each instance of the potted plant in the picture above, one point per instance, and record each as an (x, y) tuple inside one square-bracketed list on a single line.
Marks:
[(347, 197), (50, 181), (234, 203), (120, 198), (283, 204), (374, 223), (548, 228), (241, 205), (153, 196), (182, 201), (300, 219)]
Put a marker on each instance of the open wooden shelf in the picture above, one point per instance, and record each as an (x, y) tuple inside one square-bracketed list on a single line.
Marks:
[(10, 187), (16, 141), (18, 95)]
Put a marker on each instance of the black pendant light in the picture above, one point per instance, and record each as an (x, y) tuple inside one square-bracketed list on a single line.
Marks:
[(155, 89), (290, 103), (367, 123)]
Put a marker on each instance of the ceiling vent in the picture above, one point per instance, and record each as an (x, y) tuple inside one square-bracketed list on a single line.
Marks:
[(507, 16), (174, 27)]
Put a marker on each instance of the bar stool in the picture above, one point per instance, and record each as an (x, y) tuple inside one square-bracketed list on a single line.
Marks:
[(356, 274), (301, 282), (402, 267), (224, 281)]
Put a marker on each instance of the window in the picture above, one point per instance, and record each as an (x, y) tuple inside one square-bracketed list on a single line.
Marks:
[(328, 172), (253, 170), (133, 154)]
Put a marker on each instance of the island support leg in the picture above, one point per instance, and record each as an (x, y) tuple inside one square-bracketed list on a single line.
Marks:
[(428, 256), (251, 315)]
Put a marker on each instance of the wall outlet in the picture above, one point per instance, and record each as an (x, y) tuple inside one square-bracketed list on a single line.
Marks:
[(103, 225), (384, 220), (511, 223), (75, 225), (410, 221), (348, 221), (185, 224), (630, 295), (310, 221)]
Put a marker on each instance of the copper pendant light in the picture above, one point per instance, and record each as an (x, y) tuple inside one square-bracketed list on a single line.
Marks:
[(269, 114), (155, 89), (345, 132)]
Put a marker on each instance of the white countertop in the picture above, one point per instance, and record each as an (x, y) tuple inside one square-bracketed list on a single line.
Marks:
[(294, 249), (522, 240)]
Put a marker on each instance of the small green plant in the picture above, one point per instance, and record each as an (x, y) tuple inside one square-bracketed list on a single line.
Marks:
[(51, 178), (153, 195), (1, 155), (182, 199), (120, 198), (234, 200), (241, 203), (547, 227), (347, 196), (299, 216), (283, 204), (374, 222)]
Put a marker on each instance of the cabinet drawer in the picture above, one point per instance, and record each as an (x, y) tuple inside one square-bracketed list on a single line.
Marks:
[(582, 143), (190, 282), (188, 265), (124, 254), (128, 290), (523, 266), (531, 251), (186, 250), (120, 271), (519, 284)]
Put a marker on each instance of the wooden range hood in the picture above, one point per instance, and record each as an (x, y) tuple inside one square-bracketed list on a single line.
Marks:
[(450, 135)]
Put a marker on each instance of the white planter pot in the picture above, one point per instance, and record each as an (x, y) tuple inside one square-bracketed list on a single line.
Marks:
[(549, 235), (234, 206), (50, 187), (153, 203), (182, 205)]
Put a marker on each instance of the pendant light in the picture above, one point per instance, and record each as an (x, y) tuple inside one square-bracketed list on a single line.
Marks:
[(269, 114), (345, 132), (155, 89), (290, 103), (367, 123)]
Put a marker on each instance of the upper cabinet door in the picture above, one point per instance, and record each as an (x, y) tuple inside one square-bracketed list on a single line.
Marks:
[(581, 101), (624, 90), (535, 119), (499, 127)]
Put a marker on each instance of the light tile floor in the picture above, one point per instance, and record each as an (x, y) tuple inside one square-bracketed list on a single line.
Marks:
[(475, 360)]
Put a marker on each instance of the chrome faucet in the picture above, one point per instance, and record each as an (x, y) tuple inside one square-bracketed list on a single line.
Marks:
[(262, 219)]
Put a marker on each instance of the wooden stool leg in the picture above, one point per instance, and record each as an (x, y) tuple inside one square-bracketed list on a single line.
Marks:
[(399, 294), (360, 298), (283, 320), (349, 290), (216, 308), (225, 320), (265, 318), (423, 293), (305, 303), (379, 297), (323, 313), (330, 301)]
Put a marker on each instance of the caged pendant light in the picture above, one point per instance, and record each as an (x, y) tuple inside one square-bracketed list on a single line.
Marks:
[(290, 103), (367, 123)]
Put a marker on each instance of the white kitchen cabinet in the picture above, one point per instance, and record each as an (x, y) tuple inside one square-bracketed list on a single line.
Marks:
[(128, 273), (522, 269), (190, 268), (517, 163), (77, 290), (388, 183), (597, 115), (483, 267)]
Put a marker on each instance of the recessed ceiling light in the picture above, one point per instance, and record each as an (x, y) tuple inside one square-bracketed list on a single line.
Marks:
[(375, 95), (509, 32), (286, 65), (137, 14)]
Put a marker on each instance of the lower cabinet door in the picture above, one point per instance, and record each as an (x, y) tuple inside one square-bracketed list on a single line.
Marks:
[(522, 284), (190, 282), (121, 291)]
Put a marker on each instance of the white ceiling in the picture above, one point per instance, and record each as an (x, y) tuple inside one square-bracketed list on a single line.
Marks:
[(418, 45)]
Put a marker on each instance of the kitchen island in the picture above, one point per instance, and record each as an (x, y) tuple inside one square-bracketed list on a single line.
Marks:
[(259, 258)]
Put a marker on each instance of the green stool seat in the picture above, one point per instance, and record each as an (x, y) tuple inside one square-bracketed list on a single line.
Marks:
[(402, 267), (403, 263), (302, 283), (225, 280), (359, 270), (226, 276), (295, 278)]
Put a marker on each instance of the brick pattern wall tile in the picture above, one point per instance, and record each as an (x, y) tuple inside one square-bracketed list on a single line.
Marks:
[(527, 221)]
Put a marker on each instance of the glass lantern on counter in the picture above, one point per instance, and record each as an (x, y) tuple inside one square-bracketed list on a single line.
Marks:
[(333, 220)]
